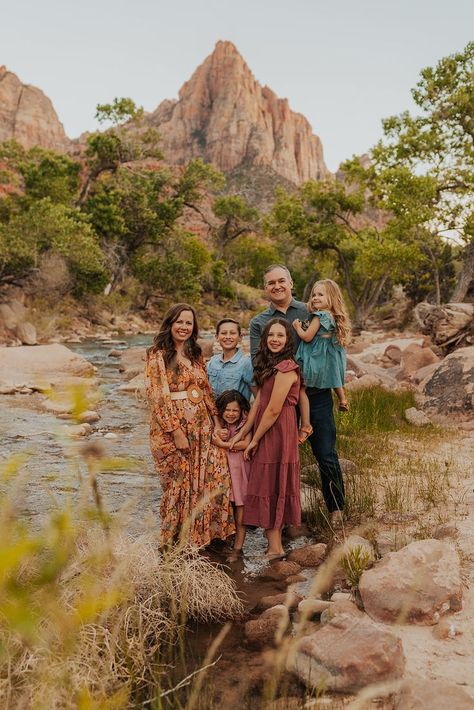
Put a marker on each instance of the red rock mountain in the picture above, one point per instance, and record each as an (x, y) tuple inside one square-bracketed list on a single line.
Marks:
[(28, 116), (226, 117)]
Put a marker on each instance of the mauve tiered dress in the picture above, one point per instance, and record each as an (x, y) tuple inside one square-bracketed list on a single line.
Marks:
[(273, 493)]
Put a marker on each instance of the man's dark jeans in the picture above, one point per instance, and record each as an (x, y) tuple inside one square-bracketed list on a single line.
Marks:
[(323, 444)]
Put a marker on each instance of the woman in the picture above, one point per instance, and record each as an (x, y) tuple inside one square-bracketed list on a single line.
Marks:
[(273, 493), (194, 473)]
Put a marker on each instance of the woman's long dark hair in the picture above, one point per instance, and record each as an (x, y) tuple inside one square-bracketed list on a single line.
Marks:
[(265, 360), (164, 340)]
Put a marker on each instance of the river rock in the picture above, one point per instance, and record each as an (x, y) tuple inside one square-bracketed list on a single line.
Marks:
[(26, 332), (415, 357), (89, 417), (340, 606), (309, 555), (288, 599), (44, 365), (414, 585), (420, 693), (416, 417), (132, 360), (313, 607), (450, 389), (280, 569), (78, 430), (347, 654), (136, 385), (263, 631)]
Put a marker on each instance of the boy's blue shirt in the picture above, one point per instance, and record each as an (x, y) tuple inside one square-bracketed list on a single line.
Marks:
[(234, 374)]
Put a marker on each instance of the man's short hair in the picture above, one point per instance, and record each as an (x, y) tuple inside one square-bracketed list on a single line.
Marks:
[(228, 320), (276, 266)]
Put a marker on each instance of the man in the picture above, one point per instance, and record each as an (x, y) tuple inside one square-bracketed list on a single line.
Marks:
[(278, 285)]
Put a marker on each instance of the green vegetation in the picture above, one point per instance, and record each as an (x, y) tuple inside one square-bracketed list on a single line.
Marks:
[(392, 470), (118, 216)]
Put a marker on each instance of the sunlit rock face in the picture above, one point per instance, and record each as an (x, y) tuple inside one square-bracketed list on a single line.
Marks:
[(226, 117), (28, 116)]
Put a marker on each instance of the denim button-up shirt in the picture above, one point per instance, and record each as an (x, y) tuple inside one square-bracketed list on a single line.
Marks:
[(233, 374)]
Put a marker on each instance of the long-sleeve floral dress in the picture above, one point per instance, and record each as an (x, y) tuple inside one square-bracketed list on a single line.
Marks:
[(196, 484)]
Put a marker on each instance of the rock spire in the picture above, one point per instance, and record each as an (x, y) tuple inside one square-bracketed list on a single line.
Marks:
[(226, 117)]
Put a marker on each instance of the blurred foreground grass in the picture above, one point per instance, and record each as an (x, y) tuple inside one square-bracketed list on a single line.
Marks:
[(90, 617)]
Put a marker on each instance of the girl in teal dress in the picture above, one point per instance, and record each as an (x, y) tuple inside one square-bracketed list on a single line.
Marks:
[(321, 354)]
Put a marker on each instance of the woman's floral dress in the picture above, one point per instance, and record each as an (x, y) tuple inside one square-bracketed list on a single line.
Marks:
[(196, 484)]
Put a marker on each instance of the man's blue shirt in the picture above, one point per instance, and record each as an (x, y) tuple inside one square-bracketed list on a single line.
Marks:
[(296, 309), (233, 374)]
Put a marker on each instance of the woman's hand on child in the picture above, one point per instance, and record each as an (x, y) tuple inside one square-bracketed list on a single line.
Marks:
[(181, 440), (223, 434), (250, 450), (234, 440)]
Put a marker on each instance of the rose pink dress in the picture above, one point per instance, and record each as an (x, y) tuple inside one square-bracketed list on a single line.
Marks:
[(239, 468), (273, 492)]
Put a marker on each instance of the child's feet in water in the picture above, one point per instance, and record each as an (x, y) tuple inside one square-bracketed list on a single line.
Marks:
[(304, 433)]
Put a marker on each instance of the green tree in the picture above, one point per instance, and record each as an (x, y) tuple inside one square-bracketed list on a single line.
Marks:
[(331, 216), (438, 144), (38, 173), (236, 217), (49, 227)]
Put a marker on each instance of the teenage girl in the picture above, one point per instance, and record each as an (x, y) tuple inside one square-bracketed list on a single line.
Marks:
[(232, 410), (321, 354)]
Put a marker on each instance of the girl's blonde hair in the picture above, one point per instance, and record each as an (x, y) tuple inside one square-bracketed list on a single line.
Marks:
[(337, 307)]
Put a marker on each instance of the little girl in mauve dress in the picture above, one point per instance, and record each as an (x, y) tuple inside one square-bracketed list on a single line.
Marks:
[(232, 409)]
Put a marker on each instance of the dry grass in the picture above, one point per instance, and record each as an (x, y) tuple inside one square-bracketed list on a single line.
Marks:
[(90, 617)]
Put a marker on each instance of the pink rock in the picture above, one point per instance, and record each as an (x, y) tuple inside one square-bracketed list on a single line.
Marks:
[(418, 693), (309, 555), (264, 630), (226, 117), (288, 599), (280, 569), (27, 115), (413, 585), (347, 654)]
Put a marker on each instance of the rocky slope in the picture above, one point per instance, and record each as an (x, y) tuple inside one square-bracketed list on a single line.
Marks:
[(226, 117), (27, 115)]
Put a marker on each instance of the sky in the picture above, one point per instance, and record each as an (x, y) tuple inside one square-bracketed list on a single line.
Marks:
[(344, 64)]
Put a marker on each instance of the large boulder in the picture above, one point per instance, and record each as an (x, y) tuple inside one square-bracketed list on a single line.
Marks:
[(414, 357), (450, 388), (445, 323), (132, 362), (309, 555), (346, 654), (26, 332), (268, 627), (41, 366), (414, 585)]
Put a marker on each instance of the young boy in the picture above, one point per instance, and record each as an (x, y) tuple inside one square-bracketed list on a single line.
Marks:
[(230, 369)]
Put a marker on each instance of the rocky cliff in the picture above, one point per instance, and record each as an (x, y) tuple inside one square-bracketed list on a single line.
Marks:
[(226, 117), (27, 115)]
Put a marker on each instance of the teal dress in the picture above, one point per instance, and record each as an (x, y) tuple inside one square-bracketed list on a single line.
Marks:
[(322, 361)]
